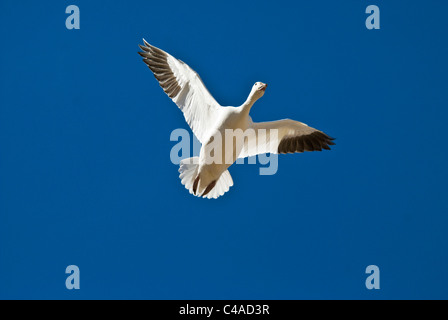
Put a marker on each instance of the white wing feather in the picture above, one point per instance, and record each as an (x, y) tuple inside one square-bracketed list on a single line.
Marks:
[(184, 86), (284, 136)]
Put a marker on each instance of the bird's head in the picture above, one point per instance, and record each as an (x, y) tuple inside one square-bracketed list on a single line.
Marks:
[(258, 89)]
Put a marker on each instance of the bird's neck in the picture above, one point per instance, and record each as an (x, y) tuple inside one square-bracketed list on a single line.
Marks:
[(247, 105)]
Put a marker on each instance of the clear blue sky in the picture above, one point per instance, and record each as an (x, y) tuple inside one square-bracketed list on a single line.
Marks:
[(86, 177)]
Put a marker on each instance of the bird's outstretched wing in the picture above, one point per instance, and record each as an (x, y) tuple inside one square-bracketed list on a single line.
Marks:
[(284, 136), (184, 86)]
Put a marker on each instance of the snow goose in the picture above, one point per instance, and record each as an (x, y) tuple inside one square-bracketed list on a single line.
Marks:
[(207, 175)]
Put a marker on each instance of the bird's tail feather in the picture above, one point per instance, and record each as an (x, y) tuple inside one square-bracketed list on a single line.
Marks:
[(188, 174)]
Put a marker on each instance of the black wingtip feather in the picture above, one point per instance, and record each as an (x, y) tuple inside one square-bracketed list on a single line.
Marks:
[(315, 141)]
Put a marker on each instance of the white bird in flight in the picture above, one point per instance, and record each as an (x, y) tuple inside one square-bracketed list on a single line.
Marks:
[(203, 176)]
